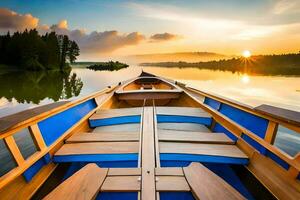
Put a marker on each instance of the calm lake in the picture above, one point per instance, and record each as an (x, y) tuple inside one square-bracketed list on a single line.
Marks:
[(20, 91)]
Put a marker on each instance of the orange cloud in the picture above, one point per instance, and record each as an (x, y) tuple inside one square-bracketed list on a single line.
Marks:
[(97, 42), (163, 37), (12, 21)]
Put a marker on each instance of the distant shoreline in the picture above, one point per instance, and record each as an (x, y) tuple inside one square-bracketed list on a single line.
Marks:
[(285, 64)]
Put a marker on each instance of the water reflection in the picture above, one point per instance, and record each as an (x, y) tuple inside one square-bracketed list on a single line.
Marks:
[(33, 87)]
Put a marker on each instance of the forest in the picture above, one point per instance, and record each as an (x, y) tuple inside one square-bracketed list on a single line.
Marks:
[(284, 64), (30, 51)]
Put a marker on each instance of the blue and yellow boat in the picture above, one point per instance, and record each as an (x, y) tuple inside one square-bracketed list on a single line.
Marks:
[(148, 138)]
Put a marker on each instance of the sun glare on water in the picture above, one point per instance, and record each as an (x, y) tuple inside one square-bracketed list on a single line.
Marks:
[(245, 79), (246, 53)]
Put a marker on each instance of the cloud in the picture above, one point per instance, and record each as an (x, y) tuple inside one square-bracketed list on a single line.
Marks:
[(97, 42), (63, 24), (163, 37), (94, 42), (10, 20), (286, 7)]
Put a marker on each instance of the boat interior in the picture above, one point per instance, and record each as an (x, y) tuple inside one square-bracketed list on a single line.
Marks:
[(151, 138)]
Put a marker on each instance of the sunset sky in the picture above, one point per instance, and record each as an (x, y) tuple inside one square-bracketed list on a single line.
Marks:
[(117, 28)]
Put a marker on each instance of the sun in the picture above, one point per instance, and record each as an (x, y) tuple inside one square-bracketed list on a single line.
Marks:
[(246, 54)]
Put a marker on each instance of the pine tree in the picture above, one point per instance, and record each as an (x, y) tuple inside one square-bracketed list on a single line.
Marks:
[(73, 51)]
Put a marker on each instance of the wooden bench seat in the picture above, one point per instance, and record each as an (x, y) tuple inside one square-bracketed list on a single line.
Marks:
[(205, 184), (84, 184), (104, 137), (97, 151), (115, 116), (182, 115), (182, 111), (183, 127), (197, 137), (197, 152), (118, 128)]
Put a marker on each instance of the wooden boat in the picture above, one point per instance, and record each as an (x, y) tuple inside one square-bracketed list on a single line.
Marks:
[(150, 138)]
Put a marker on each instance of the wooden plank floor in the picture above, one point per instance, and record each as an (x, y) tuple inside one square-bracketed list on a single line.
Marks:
[(104, 137), (195, 137)]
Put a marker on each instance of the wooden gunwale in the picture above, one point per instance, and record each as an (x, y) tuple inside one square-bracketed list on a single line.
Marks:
[(35, 119), (278, 119), (238, 130), (24, 165), (8, 177)]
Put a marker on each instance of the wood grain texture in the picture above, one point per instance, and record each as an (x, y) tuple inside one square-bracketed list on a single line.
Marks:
[(124, 171), (183, 127), (84, 184), (98, 148), (172, 184), (104, 137), (118, 128), (14, 149), (237, 130), (23, 190), (156, 140), (13, 120), (197, 137), (156, 94), (10, 176), (286, 115), (271, 132), (148, 155), (121, 184), (169, 171), (207, 185), (182, 111), (121, 112), (201, 149), (37, 137), (274, 178)]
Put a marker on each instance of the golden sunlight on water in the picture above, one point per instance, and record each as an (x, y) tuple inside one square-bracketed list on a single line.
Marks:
[(245, 79), (253, 90), (281, 91)]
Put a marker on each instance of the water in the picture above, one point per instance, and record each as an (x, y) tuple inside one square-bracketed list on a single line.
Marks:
[(20, 91)]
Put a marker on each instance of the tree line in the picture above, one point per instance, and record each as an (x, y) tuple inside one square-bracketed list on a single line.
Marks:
[(30, 51), (284, 64), (107, 66)]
